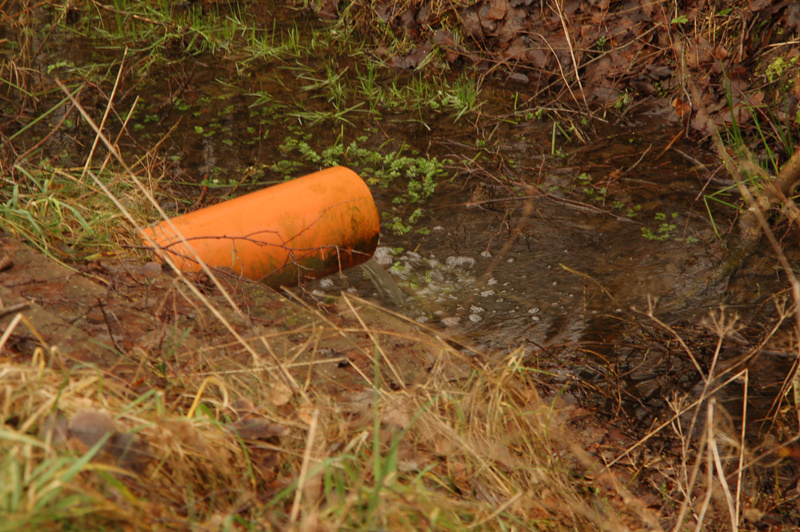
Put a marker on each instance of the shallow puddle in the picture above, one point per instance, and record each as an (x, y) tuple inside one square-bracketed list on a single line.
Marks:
[(544, 267)]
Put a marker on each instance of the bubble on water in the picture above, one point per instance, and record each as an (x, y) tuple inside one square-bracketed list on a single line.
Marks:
[(535, 318), (510, 260), (487, 293), (450, 322), (460, 262), (475, 318), (533, 310), (326, 283), (487, 254), (555, 283)]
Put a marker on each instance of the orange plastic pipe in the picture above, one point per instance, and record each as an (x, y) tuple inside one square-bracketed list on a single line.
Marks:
[(282, 235)]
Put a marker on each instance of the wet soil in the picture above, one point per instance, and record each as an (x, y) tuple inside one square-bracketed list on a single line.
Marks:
[(101, 312)]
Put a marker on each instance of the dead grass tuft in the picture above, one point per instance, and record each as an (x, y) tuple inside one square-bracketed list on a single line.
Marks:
[(486, 453)]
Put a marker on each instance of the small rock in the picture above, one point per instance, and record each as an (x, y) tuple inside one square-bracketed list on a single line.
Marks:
[(518, 77), (89, 426)]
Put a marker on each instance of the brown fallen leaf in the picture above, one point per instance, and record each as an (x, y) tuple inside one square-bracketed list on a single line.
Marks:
[(306, 413), (280, 394), (413, 59), (496, 9), (328, 9)]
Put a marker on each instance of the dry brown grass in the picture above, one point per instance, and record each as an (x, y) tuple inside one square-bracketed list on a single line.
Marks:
[(86, 447)]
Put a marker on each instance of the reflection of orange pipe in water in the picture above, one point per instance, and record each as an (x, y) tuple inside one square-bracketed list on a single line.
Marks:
[(282, 235)]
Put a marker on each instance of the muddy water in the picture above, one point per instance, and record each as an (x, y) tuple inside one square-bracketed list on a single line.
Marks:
[(567, 276), (554, 263)]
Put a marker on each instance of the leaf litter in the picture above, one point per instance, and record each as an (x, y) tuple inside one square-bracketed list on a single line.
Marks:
[(596, 53)]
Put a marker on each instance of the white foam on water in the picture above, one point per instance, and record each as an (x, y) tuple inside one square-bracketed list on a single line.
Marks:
[(455, 261)]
